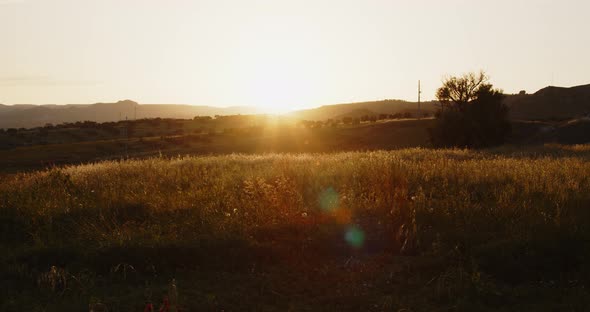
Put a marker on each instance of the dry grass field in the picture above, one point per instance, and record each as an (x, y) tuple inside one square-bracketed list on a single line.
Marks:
[(407, 230)]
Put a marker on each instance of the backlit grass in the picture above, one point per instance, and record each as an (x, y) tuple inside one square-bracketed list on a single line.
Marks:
[(415, 229)]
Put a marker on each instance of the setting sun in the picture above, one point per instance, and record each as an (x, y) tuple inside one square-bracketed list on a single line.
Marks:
[(279, 55), (272, 80)]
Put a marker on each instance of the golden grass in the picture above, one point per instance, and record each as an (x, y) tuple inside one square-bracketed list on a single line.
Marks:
[(500, 217), (278, 188)]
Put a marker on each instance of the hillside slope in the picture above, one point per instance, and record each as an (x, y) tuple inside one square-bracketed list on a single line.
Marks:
[(382, 135), (378, 107), (28, 116), (551, 103)]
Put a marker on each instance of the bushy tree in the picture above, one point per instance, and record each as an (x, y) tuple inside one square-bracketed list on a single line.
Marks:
[(472, 113)]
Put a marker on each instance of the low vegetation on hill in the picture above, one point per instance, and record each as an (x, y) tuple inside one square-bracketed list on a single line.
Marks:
[(408, 230), (27, 149), (83, 142)]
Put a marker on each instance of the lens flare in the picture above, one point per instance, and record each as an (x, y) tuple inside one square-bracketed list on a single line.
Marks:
[(355, 237), (329, 200)]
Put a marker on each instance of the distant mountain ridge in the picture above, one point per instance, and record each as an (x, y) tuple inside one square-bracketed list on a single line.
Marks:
[(547, 103), (27, 116), (551, 103)]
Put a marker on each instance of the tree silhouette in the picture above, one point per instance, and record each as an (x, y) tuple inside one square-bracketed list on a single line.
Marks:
[(472, 113)]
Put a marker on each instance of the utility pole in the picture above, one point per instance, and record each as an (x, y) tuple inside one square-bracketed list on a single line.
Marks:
[(126, 137), (419, 93)]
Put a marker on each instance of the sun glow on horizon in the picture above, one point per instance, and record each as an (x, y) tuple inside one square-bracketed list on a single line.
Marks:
[(274, 71), (281, 55)]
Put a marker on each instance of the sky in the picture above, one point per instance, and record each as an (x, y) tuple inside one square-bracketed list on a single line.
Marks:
[(281, 54)]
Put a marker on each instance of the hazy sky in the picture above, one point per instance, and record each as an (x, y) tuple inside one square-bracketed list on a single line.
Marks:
[(286, 54)]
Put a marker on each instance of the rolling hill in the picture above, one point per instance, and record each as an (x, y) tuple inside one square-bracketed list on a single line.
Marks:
[(547, 103), (551, 103), (28, 116), (364, 108)]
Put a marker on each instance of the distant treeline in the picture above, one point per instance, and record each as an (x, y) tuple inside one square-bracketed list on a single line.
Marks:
[(358, 120)]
